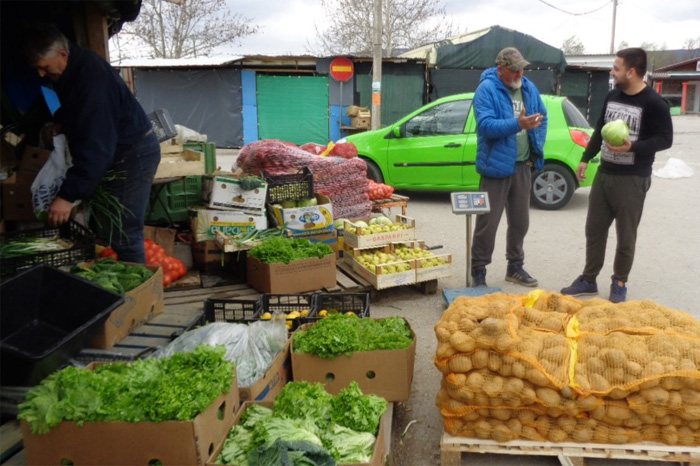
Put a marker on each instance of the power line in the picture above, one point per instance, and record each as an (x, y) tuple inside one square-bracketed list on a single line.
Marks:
[(575, 14)]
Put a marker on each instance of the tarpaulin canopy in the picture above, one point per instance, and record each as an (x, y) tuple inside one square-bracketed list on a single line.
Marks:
[(478, 50)]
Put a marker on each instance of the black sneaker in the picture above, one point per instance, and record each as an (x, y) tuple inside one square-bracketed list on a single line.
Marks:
[(517, 274), (478, 276), (618, 292), (581, 287)]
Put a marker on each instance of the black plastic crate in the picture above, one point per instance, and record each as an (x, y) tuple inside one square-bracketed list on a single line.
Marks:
[(288, 303), (162, 124), (82, 249), (340, 303), (231, 310), (289, 187), (47, 316)]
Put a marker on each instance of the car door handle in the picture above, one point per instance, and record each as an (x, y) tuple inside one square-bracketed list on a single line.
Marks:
[(452, 145)]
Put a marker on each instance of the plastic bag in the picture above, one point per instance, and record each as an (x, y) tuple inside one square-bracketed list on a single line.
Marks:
[(251, 348), (185, 134), (50, 178), (674, 169)]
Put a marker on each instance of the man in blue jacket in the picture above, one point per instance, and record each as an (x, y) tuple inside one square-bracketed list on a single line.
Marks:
[(107, 130), (511, 128)]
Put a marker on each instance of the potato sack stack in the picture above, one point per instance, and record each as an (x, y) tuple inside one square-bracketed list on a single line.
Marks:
[(548, 367)]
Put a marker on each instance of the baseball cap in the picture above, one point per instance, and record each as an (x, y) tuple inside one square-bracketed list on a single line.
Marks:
[(512, 59)]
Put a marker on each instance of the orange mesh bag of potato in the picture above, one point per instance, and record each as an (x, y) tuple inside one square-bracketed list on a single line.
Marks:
[(563, 369)]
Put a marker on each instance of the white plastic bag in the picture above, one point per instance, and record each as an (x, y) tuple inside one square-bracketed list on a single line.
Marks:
[(674, 169), (50, 178)]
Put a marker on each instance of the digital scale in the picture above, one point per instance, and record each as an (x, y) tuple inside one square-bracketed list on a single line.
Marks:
[(468, 204)]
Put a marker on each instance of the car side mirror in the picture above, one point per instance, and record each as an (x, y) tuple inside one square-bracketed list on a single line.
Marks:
[(397, 131)]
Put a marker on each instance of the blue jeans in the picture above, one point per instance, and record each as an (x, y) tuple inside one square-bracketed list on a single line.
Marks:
[(136, 165)]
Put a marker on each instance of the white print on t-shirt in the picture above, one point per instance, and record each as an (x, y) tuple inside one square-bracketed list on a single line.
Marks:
[(517, 108), (633, 117)]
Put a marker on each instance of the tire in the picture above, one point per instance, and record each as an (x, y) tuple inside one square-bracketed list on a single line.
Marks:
[(553, 187), (373, 172)]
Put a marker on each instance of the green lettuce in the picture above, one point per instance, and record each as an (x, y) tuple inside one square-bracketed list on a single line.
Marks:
[(356, 411), (348, 446)]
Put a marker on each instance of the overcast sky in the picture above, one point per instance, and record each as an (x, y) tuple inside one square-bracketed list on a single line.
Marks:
[(287, 26)]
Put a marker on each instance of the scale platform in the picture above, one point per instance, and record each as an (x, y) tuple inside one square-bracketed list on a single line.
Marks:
[(451, 295)]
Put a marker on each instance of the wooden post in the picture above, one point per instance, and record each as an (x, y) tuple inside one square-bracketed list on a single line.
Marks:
[(684, 98), (96, 30)]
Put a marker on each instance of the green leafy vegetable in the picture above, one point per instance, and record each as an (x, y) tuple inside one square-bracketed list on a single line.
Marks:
[(175, 388), (287, 250), (341, 334), (235, 450), (348, 446), (114, 276), (300, 400), (283, 453), (356, 411), (269, 429)]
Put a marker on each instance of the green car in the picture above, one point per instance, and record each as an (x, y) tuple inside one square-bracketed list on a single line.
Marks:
[(434, 149)]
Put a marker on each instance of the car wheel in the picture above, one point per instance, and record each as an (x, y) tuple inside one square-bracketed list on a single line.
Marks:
[(373, 172), (553, 187)]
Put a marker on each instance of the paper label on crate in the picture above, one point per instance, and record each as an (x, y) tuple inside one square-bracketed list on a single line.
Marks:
[(308, 220), (207, 222), (226, 193)]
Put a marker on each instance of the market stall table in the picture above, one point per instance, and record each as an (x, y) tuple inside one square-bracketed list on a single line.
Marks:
[(395, 200)]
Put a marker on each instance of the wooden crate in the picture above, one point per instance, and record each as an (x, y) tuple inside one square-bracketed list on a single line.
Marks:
[(451, 449)]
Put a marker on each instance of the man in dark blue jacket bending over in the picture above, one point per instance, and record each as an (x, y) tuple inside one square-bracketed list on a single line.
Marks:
[(107, 130), (511, 127)]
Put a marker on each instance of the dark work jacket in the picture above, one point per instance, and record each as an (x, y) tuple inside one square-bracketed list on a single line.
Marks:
[(99, 114)]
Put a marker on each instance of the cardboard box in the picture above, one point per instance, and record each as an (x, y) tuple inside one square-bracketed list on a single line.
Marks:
[(164, 237), (224, 192), (425, 272), (385, 373), (361, 121), (205, 222), (378, 456), (302, 275), (357, 240), (354, 110), (207, 256), (135, 443), (33, 159), (17, 198), (140, 305), (185, 163), (302, 221), (271, 384)]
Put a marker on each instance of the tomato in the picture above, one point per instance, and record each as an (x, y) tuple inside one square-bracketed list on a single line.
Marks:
[(109, 253)]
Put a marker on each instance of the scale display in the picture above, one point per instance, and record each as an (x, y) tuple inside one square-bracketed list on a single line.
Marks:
[(470, 203)]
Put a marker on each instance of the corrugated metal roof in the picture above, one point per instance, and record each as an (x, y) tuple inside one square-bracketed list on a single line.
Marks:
[(209, 62), (591, 61)]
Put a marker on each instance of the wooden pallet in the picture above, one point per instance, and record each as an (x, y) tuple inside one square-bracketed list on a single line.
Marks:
[(427, 287), (569, 454)]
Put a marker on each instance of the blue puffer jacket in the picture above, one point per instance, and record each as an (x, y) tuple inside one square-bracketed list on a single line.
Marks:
[(497, 128)]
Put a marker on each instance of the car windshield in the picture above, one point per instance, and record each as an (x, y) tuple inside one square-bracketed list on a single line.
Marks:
[(447, 118), (573, 115)]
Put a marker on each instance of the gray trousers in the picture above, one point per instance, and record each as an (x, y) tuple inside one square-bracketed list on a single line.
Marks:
[(513, 195), (618, 198)]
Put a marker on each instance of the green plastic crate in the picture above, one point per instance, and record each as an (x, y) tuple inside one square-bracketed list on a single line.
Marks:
[(209, 151), (174, 199)]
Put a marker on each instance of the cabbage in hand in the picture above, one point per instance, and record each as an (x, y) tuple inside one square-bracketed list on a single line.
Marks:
[(615, 132)]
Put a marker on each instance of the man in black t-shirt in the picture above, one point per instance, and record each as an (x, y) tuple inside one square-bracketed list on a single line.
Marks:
[(624, 176)]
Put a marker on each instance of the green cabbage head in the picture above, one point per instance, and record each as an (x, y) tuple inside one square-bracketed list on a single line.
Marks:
[(615, 132)]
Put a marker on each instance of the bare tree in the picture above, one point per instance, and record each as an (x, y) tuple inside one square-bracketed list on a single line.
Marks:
[(406, 24), (573, 46), (652, 46), (691, 43), (190, 28), (623, 45)]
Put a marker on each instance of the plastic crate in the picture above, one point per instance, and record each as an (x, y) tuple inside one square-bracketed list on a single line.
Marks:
[(209, 151), (162, 124), (231, 310), (47, 316), (174, 199), (290, 187), (82, 249), (288, 303), (357, 303)]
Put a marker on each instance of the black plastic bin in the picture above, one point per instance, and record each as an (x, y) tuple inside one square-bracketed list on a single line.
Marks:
[(82, 248), (47, 315), (340, 303), (287, 303), (239, 311)]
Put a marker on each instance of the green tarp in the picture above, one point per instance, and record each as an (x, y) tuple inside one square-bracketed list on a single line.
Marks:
[(293, 108), (481, 52)]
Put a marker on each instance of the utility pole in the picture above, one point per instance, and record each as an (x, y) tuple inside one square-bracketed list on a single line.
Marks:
[(612, 39), (377, 66)]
